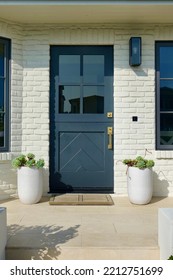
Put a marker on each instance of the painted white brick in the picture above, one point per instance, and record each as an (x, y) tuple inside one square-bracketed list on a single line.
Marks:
[(134, 92)]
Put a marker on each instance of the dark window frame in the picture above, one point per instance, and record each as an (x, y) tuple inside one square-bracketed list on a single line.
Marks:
[(159, 44), (7, 58)]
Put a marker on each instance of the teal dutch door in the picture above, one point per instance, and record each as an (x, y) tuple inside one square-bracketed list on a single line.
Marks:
[(81, 119)]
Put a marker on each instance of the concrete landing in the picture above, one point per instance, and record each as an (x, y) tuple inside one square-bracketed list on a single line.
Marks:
[(119, 231)]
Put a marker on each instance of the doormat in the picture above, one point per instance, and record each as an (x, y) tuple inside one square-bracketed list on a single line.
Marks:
[(81, 199)]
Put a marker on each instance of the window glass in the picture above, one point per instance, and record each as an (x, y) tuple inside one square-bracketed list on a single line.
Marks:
[(1, 94), (1, 130), (93, 69), (166, 62), (164, 66), (69, 99), (81, 83), (69, 69), (166, 95), (166, 129), (1, 60), (93, 99), (4, 94)]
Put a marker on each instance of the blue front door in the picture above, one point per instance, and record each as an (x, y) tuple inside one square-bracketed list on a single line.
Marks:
[(81, 119)]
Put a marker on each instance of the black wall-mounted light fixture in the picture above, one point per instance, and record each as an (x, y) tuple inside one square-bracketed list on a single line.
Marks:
[(135, 51)]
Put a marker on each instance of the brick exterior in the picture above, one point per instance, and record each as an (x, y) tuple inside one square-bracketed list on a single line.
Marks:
[(134, 95)]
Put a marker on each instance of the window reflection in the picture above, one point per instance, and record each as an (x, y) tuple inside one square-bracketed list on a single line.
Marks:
[(166, 62), (81, 82), (166, 95), (1, 60), (69, 69), (93, 99), (1, 130), (166, 122), (69, 99), (166, 129), (1, 94), (93, 69)]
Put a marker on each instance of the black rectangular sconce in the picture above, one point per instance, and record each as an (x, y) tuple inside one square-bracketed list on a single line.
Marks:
[(135, 51)]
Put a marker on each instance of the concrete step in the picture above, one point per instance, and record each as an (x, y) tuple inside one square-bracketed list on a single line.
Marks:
[(76, 253)]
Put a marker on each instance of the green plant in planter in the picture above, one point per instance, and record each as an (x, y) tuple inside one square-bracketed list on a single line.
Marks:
[(171, 258), (139, 162), (27, 161)]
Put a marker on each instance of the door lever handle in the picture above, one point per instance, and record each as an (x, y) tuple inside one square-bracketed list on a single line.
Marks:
[(110, 135)]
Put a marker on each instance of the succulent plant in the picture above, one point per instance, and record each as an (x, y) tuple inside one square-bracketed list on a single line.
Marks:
[(28, 161), (139, 162), (171, 258)]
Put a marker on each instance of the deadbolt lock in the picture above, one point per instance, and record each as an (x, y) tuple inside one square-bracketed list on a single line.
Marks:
[(109, 114)]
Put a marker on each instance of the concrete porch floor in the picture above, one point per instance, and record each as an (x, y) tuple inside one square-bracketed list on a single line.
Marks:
[(120, 231)]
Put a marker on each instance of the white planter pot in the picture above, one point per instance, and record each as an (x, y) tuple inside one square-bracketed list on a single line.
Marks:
[(140, 185), (30, 185)]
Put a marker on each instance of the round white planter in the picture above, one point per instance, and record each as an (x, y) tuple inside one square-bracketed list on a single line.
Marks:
[(140, 185), (30, 184)]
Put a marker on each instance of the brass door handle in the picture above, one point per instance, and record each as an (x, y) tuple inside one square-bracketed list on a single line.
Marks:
[(110, 134)]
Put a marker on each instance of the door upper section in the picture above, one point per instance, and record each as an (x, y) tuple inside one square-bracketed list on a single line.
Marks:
[(82, 82)]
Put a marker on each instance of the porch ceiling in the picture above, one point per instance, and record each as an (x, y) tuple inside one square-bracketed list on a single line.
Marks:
[(87, 12)]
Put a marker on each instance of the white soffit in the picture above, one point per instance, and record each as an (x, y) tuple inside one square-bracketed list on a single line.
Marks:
[(87, 11)]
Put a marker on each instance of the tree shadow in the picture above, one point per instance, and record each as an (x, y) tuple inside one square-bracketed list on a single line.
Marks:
[(37, 242), (8, 179), (11, 198)]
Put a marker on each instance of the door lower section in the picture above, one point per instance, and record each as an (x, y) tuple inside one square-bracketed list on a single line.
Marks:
[(83, 162)]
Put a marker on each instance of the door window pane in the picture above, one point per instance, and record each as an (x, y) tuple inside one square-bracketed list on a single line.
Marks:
[(69, 69), (93, 69), (1, 59), (166, 129), (93, 99), (166, 95), (69, 99), (166, 62)]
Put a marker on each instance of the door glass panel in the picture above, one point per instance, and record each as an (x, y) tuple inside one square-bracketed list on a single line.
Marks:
[(1, 130), (166, 95), (1, 60), (93, 99), (69, 99), (166, 62), (69, 69), (166, 129), (93, 69)]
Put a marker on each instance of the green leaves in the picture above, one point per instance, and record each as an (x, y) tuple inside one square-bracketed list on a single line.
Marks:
[(139, 162), (30, 156), (16, 163), (150, 163), (40, 163), (28, 161)]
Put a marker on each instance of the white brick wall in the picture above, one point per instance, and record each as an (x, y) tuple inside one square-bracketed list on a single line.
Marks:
[(134, 93), (7, 175)]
